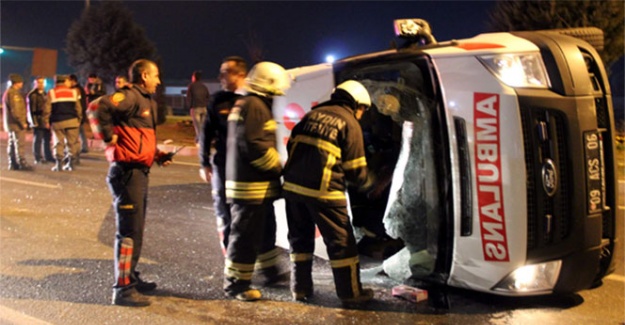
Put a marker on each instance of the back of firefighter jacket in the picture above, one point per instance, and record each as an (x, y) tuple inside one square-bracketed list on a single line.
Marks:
[(326, 151), (252, 161)]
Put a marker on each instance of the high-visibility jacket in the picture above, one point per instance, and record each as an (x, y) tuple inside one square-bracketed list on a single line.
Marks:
[(252, 161), (130, 113), (326, 151)]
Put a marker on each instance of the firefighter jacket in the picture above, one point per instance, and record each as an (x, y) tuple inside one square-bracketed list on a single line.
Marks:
[(326, 152), (63, 104), (130, 113), (13, 110), (252, 162), (36, 106), (216, 128)]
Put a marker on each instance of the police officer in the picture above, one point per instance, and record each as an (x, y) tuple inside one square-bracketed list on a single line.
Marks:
[(253, 182), (326, 152), (127, 121), (232, 77), (15, 123)]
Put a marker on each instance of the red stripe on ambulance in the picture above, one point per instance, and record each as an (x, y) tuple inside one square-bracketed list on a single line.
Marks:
[(488, 174)]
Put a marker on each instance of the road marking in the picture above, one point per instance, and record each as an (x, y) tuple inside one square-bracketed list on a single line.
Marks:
[(21, 181), (616, 277), (15, 317)]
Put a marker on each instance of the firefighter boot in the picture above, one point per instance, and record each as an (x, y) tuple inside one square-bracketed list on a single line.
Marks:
[(302, 283), (346, 274), (57, 166)]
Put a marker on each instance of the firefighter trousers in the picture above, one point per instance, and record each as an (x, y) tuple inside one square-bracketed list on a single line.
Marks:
[(338, 235), (128, 184), (251, 246)]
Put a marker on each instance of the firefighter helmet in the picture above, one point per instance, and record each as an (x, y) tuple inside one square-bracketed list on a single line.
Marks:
[(357, 91), (268, 79)]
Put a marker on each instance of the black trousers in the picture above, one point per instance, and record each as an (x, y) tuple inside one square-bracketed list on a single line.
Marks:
[(222, 209), (42, 149), (128, 184), (252, 244), (338, 235)]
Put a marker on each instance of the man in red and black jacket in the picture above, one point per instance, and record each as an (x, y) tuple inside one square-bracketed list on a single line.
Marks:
[(127, 120)]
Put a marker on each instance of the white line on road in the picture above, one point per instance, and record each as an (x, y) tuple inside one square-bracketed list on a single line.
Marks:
[(21, 181), (12, 316), (615, 277)]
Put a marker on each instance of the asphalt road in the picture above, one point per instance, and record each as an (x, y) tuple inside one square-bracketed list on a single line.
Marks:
[(56, 235)]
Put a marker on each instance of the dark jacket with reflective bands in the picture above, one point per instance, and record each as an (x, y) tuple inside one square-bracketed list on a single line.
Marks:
[(326, 151), (252, 162), (131, 114)]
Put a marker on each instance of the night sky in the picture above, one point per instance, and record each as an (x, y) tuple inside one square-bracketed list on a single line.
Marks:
[(192, 35)]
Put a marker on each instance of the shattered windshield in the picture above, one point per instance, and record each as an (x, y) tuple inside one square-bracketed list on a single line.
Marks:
[(400, 141)]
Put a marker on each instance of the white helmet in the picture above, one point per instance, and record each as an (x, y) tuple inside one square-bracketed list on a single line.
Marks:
[(268, 79), (357, 90)]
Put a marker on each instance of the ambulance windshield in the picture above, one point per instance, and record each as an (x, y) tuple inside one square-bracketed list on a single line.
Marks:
[(402, 132)]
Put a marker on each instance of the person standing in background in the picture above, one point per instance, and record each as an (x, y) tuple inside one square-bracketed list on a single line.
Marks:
[(15, 122), (83, 102), (36, 99), (64, 112), (121, 82), (214, 133), (197, 101)]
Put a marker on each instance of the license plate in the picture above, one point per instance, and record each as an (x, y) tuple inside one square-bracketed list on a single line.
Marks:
[(594, 171)]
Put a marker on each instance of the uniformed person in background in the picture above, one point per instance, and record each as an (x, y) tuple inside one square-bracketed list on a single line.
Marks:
[(326, 152), (127, 121), (253, 182), (64, 112), (214, 133), (15, 122)]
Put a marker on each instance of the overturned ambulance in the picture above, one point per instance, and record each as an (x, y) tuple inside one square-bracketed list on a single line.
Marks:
[(505, 178)]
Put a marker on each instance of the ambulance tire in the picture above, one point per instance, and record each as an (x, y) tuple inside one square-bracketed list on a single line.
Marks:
[(592, 35)]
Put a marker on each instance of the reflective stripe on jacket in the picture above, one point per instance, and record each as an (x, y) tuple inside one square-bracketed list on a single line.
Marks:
[(252, 164), (326, 150)]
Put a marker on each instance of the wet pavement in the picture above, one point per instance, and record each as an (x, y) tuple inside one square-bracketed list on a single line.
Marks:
[(56, 235)]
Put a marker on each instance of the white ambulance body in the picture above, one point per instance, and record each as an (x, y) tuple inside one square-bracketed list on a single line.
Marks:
[(507, 157)]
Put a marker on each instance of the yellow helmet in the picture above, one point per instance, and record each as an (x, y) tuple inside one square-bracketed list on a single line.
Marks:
[(268, 79)]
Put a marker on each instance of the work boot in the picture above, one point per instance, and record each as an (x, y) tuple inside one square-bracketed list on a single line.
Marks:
[(365, 296), (249, 295), (57, 166), (129, 297), (144, 286)]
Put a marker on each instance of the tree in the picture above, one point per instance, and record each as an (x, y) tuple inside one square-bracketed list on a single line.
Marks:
[(536, 15), (105, 40)]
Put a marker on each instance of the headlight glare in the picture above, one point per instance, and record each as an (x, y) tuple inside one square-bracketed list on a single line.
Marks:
[(536, 278), (518, 70)]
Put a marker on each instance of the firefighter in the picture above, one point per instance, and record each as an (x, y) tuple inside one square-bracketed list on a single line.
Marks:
[(253, 182), (127, 120), (326, 152)]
